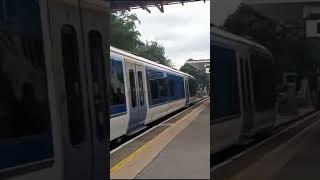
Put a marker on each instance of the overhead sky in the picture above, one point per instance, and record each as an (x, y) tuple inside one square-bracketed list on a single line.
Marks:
[(184, 31)]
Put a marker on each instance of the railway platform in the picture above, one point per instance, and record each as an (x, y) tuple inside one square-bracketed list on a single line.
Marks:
[(178, 148), (293, 154)]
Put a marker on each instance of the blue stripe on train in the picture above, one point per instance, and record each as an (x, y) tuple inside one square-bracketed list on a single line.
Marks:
[(116, 109)]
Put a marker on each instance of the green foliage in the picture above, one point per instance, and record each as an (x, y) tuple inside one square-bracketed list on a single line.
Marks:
[(200, 76), (289, 47), (123, 31), (125, 35), (154, 51)]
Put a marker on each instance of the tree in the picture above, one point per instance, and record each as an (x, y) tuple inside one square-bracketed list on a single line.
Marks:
[(200, 76), (154, 51), (124, 35), (289, 47)]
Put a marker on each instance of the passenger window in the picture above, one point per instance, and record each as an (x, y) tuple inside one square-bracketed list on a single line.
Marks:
[(141, 90), (132, 88), (118, 98), (25, 126), (172, 87), (154, 86), (73, 87), (163, 87), (99, 82)]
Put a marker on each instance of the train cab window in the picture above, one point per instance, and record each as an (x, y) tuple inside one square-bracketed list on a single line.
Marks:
[(99, 81), (71, 66), (225, 77), (25, 126), (182, 89), (192, 87), (141, 88), (133, 88), (118, 98)]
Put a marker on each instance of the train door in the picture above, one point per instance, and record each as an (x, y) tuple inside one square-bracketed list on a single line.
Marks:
[(71, 78), (140, 70), (187, 91), (135, 120), (95, 29), (247, 96)]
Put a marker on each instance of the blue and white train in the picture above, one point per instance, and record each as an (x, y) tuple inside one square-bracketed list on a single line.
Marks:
[(243, 93), (143, 91)]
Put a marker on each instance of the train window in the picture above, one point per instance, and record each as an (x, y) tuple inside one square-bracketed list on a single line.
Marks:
[(73, 87), (226, 93), (263, 82), (25, 126), (154, 87), (133, 88), (172, 88), (99, 81), (141, 88), (118, 98), (182, 89), (163, 87), (192, 87)]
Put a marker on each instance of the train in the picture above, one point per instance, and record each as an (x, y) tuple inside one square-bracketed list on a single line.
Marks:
[(53, 71), (244, 97), (143, 91)]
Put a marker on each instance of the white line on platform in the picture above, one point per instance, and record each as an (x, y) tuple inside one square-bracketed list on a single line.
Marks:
[(149, 130)]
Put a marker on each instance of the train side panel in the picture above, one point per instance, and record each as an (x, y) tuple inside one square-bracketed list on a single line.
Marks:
[(160, 101)]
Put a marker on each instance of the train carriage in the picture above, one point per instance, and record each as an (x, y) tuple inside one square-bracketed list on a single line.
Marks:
[(243, 93), (144, 91)]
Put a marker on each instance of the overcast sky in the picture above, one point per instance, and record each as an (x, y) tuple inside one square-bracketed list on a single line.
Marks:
[(184, 31)]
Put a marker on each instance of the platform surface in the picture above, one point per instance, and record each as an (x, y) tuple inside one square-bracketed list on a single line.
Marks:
[(305, 163), (185, 157), (177, 149)]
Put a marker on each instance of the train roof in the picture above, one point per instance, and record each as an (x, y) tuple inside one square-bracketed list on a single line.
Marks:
[(142, 59), (227, 35)]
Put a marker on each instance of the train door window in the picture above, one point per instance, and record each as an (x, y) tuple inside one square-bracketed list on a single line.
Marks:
[(263, 87), (25, 126), (118, 98), (99, 81), (73, 87), (141, 88), (132, 88)]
